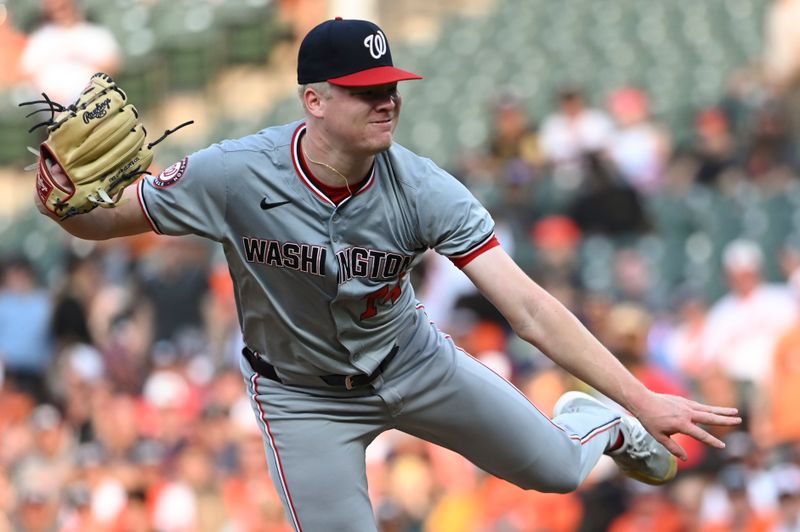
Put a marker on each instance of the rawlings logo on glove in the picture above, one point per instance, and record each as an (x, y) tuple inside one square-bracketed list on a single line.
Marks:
[(99, 111), (97, 143)]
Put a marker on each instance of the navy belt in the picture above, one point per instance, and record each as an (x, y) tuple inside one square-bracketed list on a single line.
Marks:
[(348, 382)]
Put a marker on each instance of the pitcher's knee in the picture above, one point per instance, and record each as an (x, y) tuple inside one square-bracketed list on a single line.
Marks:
[(568, 483), (562, 482)]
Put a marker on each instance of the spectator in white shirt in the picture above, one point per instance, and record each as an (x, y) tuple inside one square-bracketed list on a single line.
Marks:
[(744, 325), (66, 50), (573, 131)]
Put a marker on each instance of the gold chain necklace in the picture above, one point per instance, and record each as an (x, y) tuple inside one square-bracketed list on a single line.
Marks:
[(329, 167)]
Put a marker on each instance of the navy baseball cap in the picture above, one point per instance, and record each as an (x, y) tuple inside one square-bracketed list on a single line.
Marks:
[(350, 53)]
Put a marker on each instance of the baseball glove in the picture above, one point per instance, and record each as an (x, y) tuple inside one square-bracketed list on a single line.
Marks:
[(99, 144)]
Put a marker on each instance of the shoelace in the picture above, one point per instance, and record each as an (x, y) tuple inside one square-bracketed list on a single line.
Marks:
[(638, 447)]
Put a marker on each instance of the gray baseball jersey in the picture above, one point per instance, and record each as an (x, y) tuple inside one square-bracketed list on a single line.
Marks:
[(321, 289)]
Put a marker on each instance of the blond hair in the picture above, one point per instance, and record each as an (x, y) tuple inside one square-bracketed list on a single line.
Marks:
[(323, 88)]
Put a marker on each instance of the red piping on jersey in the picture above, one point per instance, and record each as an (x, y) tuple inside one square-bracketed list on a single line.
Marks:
[(364, 185), (274, 448), (295, 147), (462, 260), (140, 197)]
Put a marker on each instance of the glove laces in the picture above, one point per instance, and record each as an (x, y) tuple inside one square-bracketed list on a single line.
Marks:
[(52, 107)]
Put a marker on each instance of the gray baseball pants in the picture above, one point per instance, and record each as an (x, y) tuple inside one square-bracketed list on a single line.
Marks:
[(315, 436)]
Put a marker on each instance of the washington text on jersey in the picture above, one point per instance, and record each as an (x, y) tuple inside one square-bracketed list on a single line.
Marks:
[(306, 258)]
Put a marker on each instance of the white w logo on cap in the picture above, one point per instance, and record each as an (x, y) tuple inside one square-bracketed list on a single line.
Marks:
[(376, 44)]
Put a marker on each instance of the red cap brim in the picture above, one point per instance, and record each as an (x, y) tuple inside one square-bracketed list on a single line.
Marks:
[(374, 76)]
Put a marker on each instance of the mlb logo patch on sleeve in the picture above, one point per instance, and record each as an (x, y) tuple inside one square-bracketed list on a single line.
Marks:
[(171, 174)]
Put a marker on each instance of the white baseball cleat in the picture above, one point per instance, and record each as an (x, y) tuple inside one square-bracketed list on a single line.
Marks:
[(640, 457)]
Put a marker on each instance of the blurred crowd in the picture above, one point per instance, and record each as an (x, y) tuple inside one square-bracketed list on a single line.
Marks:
[(61, 51), (121, 403)]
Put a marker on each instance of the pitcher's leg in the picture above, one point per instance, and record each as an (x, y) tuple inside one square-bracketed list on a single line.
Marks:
[(466, 407), (315, 450)]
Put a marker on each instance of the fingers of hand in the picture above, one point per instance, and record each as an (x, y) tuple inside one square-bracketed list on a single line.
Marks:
[(709, 418), (703, 436), (721, 410), (672, 447)]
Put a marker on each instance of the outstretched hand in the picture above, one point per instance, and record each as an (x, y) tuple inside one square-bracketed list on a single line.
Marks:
[(664, 415)]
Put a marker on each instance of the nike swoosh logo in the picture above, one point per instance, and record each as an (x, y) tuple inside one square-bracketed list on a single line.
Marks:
[(266, 205)]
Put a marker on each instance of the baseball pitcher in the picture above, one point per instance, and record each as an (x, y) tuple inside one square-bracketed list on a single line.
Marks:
[(321, 221)]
